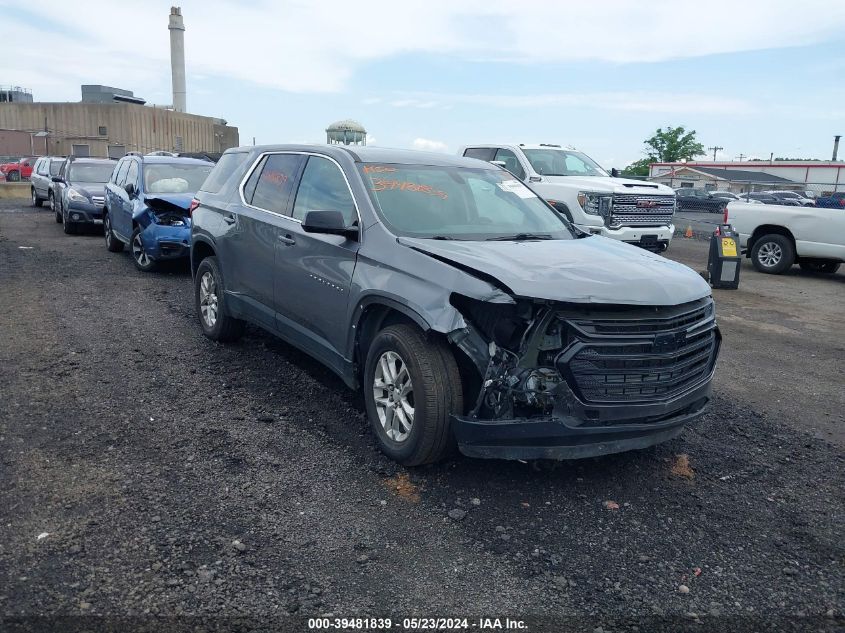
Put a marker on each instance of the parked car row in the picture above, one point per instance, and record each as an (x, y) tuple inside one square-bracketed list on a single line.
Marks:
[(468, 306)]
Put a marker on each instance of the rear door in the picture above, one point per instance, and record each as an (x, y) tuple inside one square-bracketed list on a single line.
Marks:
[(248, 244), (314, 271), (122, 222)]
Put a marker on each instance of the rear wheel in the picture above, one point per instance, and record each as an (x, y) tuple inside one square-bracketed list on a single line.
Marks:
[(826, 266), (113, 244), (210, 303), (411, 387), (773, 254), (36, 201), (13, 176), (143, 261)]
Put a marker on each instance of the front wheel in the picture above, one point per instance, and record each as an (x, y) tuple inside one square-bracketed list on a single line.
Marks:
[(820, 266), (210, 302), (13, 176), (411, 387), (68, 226), (113, 244), (143, 261), (773, 254), (36, 201)]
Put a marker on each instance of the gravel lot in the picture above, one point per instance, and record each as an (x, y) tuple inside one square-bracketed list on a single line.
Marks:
[(176, 477)]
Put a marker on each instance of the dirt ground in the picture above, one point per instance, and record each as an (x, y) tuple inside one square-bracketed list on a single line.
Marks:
[(149, 474)]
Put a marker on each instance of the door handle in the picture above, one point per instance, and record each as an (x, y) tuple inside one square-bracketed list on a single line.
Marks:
[(287, 239), (229, 219)]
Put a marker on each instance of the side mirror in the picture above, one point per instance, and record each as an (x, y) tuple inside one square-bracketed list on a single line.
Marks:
[(614, 172), (330, 223), (57, 179), (130, 189)]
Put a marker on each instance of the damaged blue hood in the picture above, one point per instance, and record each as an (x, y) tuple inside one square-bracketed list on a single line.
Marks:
[(169, 201), (587, 270)]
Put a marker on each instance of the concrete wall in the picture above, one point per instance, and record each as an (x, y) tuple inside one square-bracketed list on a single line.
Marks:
[(16, 143), (134, 127)]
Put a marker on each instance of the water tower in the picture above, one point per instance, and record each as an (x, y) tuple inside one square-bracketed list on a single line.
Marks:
[(346, 132)]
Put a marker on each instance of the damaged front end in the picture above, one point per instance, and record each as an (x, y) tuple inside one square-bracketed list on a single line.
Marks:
[(165, 228), (562, 380)]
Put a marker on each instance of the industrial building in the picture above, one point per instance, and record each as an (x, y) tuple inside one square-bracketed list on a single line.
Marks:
[(111, 121), (739, 177)]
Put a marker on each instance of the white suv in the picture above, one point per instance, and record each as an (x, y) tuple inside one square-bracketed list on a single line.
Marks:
[(633, 211)]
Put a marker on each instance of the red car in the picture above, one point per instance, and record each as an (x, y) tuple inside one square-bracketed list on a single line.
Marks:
[(21, 169)]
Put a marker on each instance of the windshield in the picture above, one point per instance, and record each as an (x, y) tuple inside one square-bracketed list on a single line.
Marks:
[(174, 177), (92, 172), (459, 203), (559, 162)]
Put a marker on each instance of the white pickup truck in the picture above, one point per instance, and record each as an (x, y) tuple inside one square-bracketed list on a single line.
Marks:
[(632, 211), (775, 237)]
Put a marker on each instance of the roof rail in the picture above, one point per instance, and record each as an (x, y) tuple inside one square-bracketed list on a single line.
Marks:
[(139, 154), (161, 152), (548, 145)]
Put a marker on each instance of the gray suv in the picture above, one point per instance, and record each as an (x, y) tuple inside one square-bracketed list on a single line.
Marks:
[(467, 310)]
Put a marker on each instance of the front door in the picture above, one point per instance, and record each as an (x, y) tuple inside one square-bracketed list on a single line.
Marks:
[(314, 271)]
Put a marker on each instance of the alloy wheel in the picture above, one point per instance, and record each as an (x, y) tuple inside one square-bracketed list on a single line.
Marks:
[(139, 253), (770, 254), (393, 393), (208, 299)]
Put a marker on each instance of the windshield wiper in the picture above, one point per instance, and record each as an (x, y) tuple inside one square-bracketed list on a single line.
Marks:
[(521, 237), (443, 237)]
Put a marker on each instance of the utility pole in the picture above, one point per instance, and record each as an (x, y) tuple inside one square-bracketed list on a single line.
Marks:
[(741, 156), (715, 149)]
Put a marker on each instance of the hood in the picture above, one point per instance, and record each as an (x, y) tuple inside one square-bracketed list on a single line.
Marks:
[(587, 270), (90, 189), (608, 184), (177, 202)]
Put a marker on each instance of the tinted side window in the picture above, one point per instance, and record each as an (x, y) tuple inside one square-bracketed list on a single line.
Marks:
[(119, 176), (249, 185), (132, 174), (323, 188), (278, 173), (511, 162), (482, 153), (55, 167), (227, 164)]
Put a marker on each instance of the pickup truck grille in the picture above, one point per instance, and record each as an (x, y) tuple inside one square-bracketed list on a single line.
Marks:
[(641, 210), (647, 357), (98, 200)]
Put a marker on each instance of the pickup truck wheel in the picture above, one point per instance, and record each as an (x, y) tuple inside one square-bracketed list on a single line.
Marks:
[(209, 300), (411, 387), (36, 201), (819, 266), (13, 176), (113, 244), (773, 254), (143, 261)]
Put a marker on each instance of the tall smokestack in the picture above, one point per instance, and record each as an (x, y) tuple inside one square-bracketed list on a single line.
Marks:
[(835, 147), (177, 58)]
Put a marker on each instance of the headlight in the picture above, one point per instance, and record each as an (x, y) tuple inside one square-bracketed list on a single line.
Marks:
[(595, 203), (74, 196)]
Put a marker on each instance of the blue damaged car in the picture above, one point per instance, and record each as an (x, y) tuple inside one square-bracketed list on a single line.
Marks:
[(148, 200)]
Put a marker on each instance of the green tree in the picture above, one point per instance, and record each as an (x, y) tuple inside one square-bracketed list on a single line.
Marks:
[(666, 146)]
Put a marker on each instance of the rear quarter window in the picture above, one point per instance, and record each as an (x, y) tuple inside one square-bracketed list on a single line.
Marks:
[(226, 166)]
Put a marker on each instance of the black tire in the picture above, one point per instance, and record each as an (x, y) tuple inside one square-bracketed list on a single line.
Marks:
[(773, 254), (825, 266), (36, 201), (69, 227), (224, 328), (113, 244), (13, 176), (140, 258), (51, 202), (437, 392)]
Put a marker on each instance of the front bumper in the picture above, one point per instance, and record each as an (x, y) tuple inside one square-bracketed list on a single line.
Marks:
[(640, 235), (84, 213), (614, 429), (167, 242)]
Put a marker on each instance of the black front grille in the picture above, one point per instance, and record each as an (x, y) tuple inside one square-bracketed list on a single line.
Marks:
[(643, 357)]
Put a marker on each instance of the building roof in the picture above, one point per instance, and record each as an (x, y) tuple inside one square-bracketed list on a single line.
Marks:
[(729, 174)]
